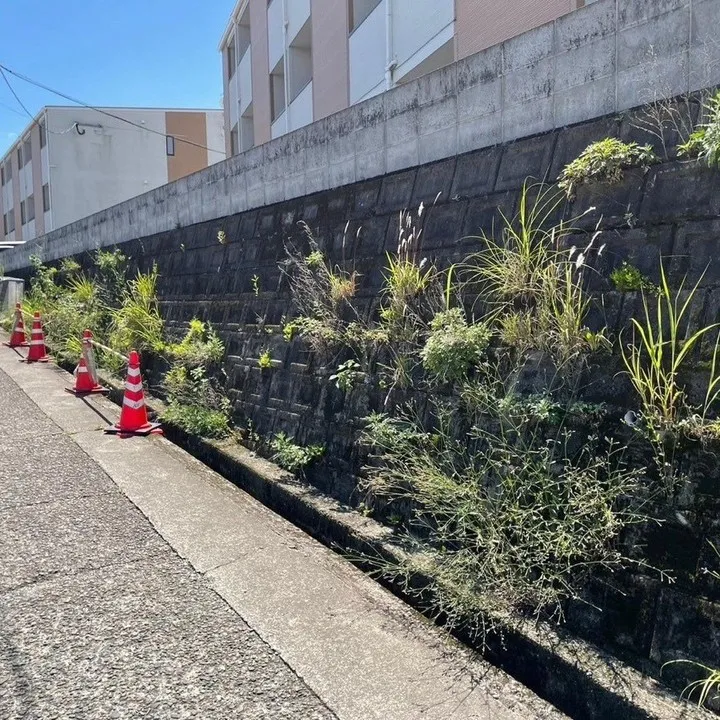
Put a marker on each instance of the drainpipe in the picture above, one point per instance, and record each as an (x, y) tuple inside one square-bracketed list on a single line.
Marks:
[(389, 50), (286, 83)]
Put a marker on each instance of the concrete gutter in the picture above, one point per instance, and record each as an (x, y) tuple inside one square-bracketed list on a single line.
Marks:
[(575, 676), (365, 654)]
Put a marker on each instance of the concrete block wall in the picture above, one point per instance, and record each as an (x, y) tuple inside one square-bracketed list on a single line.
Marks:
[(603, 59)]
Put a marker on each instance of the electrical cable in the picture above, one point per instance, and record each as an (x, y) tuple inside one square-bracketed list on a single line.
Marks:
[(24, 78), (29, 114)]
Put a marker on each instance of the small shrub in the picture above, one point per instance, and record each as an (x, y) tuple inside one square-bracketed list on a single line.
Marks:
[(628, 278), (288, 331), (265, 360), (705, 140), (293, 458), (69, 267), (453, 347), (347, 375), (197, 420), (137, 322), (201, 346), (604, 161)]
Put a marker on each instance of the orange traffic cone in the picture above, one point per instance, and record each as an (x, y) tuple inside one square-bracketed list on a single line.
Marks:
[(86, 381), (38, 351), (133, 416), (17, 339)]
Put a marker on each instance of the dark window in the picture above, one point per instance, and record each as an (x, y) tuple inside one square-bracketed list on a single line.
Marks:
[(359, 10), (5, 224), (27, 151), (22, 212), (2, 174), (30, 208), (19, 157), (8, 171), (11, 221), (230, 50), (43, 135), (46, 198), (234, 144), (170, 144)]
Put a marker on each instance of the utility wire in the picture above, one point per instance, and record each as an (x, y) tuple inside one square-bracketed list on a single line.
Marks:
[(4, 69), (29, 114)]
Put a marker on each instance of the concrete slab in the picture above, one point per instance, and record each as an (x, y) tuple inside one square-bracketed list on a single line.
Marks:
[(144, 640)]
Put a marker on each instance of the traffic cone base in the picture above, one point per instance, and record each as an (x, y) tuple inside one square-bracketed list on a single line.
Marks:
[(149, 428), (99, 390), (16, 345)]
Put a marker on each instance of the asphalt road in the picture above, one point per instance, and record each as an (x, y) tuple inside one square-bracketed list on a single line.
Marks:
[(99, 617)]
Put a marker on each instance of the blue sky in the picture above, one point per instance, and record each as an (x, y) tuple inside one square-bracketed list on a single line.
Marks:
[(135, 52)]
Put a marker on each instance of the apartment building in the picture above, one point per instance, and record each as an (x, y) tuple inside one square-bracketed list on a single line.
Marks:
[(287, 63), (71, 162)]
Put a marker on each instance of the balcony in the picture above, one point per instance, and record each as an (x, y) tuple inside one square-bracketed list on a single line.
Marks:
[(244, 76)]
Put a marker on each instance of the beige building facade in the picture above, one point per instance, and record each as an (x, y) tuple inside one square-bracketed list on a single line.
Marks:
[(71, 162), (287, 63)]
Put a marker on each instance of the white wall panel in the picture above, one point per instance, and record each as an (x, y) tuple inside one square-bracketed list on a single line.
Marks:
[(416, 23), (298, 13), (276, 46), (278, 127), (367, 54), (301, 109), (244, 76)]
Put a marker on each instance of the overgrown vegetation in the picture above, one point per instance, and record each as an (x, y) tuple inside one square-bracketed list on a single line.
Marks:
[(627, 278), (292, 457), (605, 161), (704, 142)]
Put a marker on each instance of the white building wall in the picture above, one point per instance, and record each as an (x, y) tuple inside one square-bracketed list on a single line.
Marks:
[(419, 28), (215, 137), (276, 45), (109, 163), (367, 55), (244, 80), (301, 109)]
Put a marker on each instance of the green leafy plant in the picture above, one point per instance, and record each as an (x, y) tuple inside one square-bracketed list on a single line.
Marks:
[(707, 687), (265, 360), (347, 375), (137, 323), (704, 142), (292, 457), (511, 525), (604, 161), (201, 346), (222, 237), (660, 348), (453, 347), (628, 278), (197, 420), (288, 331), (255, 282)]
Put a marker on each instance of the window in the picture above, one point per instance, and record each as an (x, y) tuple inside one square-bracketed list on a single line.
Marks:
[(277, 90), (30, 205), (300, 61), (19, 157), (170, 144), (234, 144), (27, 151), (8, 172), (11, 221), (359, 10), (230, 51), (2, 175), (5, 225), (23, 220), (43, 135), (46, 198)]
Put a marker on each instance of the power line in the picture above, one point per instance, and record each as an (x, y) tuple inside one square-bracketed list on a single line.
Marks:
[(29, 114), (26, 79)]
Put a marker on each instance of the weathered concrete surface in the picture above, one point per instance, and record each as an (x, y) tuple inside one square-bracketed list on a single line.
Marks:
[(100, 618)]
